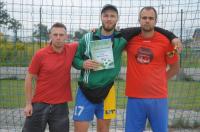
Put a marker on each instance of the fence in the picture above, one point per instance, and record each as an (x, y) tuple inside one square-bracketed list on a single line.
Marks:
[(33, 18)]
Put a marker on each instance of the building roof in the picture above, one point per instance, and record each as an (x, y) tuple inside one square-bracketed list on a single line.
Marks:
[(196, 33)]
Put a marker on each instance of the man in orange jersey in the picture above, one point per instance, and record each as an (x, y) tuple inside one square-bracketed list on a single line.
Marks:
[(146, 79)]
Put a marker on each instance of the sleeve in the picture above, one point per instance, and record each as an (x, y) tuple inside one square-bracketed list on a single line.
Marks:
[(74, 47), (78, 58), (173, 58), (128, 33), (35, 64), (167, 33)]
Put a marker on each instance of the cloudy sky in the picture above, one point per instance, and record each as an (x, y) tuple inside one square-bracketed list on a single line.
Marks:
[(85, 13)]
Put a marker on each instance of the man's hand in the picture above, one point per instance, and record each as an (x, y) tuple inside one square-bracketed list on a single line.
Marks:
[(90, 64), (28, 110), (178, 44), (93, 30)]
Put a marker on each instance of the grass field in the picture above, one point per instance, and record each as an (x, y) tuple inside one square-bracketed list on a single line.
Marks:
[(182, 95)]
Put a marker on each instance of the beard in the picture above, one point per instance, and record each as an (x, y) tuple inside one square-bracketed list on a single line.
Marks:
[(147, 28), (108, 29)]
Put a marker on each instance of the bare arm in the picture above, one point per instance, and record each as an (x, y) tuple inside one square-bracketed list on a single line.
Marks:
[(173, 70), (29, 94)]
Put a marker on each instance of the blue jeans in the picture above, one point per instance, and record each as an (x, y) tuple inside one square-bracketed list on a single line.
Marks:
[(56, 115)]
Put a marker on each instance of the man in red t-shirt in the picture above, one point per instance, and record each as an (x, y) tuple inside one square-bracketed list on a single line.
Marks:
[(50, 68), (149, 67)]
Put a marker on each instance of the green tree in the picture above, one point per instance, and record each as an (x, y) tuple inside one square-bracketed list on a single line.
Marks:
[(41, 32), (14, 25), (4, 16), (5, 19), (79, 34)]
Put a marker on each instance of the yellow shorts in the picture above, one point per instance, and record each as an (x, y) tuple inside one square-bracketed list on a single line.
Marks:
[(110, 104)]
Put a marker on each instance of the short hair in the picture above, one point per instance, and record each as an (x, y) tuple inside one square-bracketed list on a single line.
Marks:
[(58, 25), (109, 7), (148, 8)]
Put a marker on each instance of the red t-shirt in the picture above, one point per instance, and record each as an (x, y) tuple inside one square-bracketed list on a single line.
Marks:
[(146, 69), (53, 71)]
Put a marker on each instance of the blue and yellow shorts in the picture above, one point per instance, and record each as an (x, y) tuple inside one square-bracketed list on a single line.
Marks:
[(84, 110)]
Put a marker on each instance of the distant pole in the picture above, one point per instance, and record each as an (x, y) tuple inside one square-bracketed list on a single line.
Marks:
[(181, 34), (40, 26), (162, 7), (181, 24)]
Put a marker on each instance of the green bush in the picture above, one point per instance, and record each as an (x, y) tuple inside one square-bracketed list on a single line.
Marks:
[(18, 54)]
